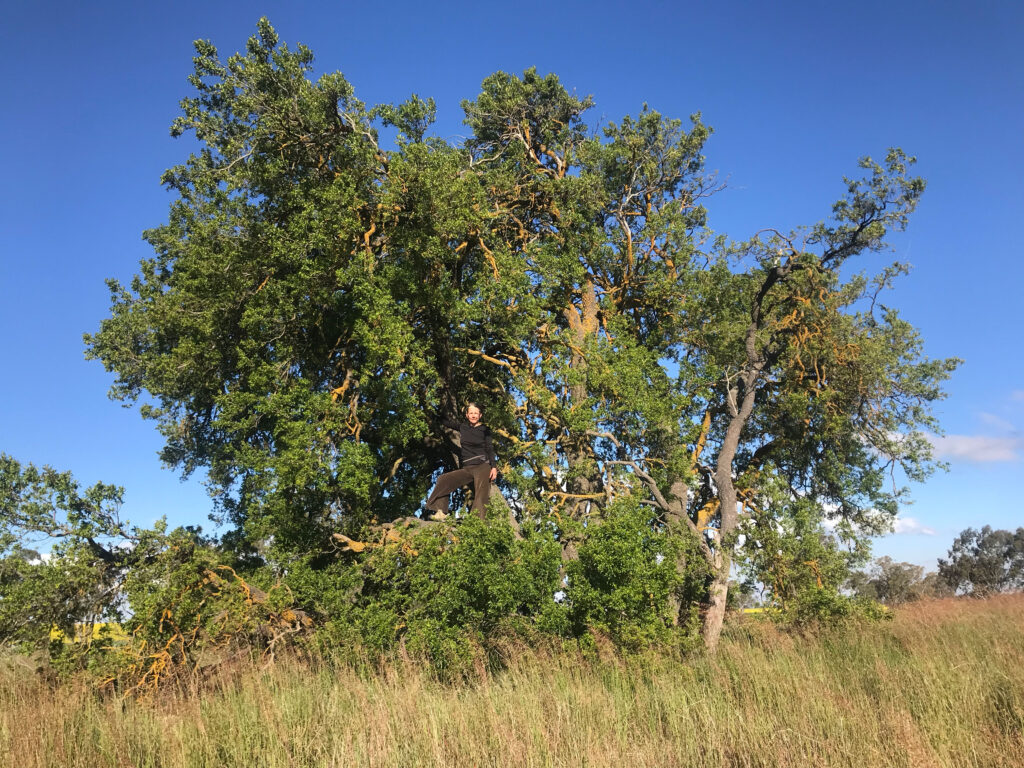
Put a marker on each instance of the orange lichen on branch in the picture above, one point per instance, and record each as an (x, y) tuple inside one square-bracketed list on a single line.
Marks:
[(560, 163), (705, 513), (390, 535), (352, 421), (583, 321), (338, 392), (815, 569), (184, 648), (567, 495), (488, 358), (789, 320), (368, 234), (517, 441), (563, 498), (252, 594), (604, 327), (350, 545), (746, 499), (705, 428), (489, 255)]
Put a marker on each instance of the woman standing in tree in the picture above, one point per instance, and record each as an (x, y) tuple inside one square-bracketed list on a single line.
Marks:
[(478, 464)]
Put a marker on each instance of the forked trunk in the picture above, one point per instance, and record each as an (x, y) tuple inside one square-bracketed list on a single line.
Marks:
[(715, 615)]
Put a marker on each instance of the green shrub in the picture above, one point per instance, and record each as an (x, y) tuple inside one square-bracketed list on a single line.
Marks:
[(445, 591), (624, 578)]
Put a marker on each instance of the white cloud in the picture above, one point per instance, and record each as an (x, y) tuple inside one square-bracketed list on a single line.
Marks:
[(998, 422), (977, 448), (911, 527)]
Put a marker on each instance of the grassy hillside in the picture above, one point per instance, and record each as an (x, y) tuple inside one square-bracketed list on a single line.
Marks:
[(940, 685)]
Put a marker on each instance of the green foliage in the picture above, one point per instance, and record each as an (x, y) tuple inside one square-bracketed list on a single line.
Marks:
[(800, 567), (166, 591), (59, 553), (317, 305), (276, 346), (625, 575), (984, 562), (175, 593), (446, 590)]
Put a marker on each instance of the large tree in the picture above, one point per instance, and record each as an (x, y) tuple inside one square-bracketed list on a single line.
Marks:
[(318, 304), (815, 391)]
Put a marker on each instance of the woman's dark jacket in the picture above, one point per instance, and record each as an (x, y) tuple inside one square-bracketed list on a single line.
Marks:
[(475, 443)]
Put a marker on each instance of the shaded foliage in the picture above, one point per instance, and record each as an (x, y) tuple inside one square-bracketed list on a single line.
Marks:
[(626, 582)]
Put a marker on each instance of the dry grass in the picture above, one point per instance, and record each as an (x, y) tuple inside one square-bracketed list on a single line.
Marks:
[(941, 685)]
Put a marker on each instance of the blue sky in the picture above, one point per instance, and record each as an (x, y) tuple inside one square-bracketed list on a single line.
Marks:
[(795, 91)]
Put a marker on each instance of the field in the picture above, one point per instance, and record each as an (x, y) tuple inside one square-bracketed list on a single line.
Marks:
[(942, 684)]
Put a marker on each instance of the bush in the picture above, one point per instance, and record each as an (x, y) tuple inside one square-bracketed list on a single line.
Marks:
[(624, 578), (445, 591), (190, 609)]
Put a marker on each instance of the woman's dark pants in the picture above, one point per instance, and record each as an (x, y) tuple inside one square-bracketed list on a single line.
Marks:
[(478, 474)]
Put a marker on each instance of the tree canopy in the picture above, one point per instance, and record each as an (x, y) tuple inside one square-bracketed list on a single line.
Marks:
[(319, 302), (986, 561)]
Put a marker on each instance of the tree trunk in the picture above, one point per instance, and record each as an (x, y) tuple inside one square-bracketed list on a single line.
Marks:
[(677, 497), (714, 618), (512, 521), (583, 322), (715, 615)]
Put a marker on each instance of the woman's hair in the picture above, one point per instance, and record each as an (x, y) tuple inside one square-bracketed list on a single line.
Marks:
[(471, 404)]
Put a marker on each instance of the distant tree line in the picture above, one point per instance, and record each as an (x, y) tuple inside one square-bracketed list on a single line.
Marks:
[(980, 563)]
